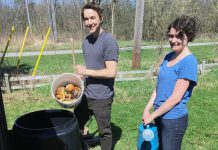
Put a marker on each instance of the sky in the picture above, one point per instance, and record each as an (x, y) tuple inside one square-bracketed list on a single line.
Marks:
[(11, 2), (8, 2)]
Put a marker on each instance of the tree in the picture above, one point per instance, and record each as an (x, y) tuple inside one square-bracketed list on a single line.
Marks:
[(137, 34), (52, 19), (28, 15), (113, 15), (87, 1)]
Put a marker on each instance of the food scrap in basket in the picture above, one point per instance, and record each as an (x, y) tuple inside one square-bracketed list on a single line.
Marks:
[(68, 92)]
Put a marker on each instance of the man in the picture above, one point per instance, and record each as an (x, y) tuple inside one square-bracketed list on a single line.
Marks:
[(100, 51)]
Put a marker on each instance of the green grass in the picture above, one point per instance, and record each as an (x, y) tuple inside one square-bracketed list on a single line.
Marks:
[(202, 131), (208, 53), (203, 126), (130, 99), (56, 64), (35, 44)]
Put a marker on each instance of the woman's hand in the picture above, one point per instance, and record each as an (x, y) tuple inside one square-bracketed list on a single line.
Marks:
[(147, 118)]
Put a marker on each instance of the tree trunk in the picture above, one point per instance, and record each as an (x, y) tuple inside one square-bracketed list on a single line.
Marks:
[(81, 26), (113, 16), (87, 1), (53, 17), (49, 13), (28, 15), (137, 34)]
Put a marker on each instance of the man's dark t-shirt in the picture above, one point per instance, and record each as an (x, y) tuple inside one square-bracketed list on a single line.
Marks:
[(96, 51)]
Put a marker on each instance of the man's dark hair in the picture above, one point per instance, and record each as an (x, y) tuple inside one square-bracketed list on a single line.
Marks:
[(186, 26), (92, 6)]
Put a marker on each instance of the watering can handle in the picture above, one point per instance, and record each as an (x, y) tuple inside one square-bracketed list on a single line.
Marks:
[(147, 126)]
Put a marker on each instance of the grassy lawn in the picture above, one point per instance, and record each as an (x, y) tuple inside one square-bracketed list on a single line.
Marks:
[(56, 64), (34, 44), (130, 99)]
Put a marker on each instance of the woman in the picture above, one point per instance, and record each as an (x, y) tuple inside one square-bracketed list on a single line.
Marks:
[(176, 80), (100, 52)]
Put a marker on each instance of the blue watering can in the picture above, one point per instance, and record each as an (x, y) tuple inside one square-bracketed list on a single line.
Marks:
[(147, 137)]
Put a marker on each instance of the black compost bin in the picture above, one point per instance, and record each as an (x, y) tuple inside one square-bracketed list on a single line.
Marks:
[(46, 130)]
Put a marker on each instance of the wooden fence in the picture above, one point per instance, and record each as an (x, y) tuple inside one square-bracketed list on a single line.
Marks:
[(21, 82)]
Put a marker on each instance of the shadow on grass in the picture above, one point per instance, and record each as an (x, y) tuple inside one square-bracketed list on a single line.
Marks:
[(92, 141), (117, 132)]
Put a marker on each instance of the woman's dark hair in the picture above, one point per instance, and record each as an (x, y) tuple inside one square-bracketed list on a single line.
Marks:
[(186, 26), (92, 6)]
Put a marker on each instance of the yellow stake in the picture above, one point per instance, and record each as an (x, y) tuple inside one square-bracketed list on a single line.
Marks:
[(6, 47), (21, 50), (39, 57)]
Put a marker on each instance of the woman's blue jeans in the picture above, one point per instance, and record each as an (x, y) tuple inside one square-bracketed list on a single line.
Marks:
[(171, 132)]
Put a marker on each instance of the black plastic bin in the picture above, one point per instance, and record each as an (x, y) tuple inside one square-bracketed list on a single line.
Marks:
[(46, 130)]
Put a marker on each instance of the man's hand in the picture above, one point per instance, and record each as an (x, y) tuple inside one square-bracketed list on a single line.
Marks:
[(80, 70)]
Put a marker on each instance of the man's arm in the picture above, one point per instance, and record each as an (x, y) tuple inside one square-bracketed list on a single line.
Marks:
[(109, 71)]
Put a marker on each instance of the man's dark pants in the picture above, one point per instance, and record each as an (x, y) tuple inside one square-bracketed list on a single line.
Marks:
[(101, 109)]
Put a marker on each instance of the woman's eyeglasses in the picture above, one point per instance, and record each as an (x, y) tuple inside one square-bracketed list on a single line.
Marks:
[(180, 35)]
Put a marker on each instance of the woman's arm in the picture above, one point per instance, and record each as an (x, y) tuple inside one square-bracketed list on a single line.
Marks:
[(109, 71), (150, 101), (179, 90), (149, 105)]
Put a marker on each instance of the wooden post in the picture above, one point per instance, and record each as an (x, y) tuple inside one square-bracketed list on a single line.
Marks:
[(203, 66), (151, 71), (73, 53), (157, 71), (138, 34), (120, 75), (7, 84), (50, 79)]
